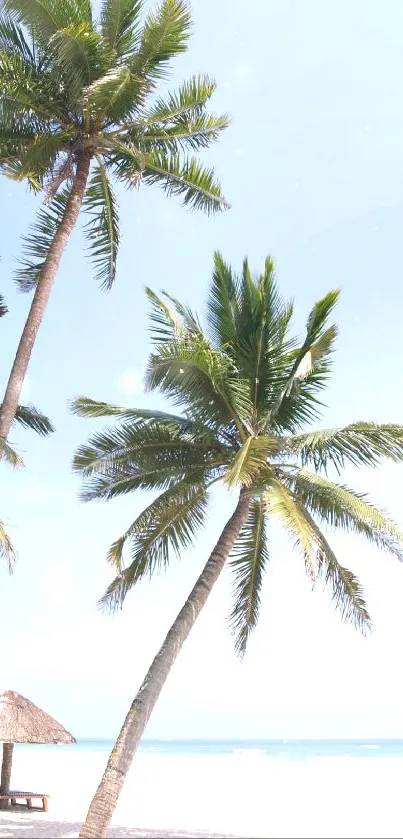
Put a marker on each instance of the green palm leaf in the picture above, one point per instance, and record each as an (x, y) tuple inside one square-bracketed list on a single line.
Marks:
[(6, 548), (251, 459), (187, 178), (40, 156), (165, 35), (114, 96), (40, 91), (29, 417), (309, 367), (189, 132), (223, 304), (193, 374), (167, 324), (340, 507), (120, 24), (361, 443), (189, 101), (12, 39), (3, 307), (348, 595), (248, 560), (9, 455), (80, 54), (103, 227), (43, 18), (144, 452), (18, 124), (190, 179), (85, 407), (283, 505), (168, 525), (38, 241)]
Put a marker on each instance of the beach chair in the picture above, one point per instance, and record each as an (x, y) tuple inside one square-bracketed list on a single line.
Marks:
[(13, 795)]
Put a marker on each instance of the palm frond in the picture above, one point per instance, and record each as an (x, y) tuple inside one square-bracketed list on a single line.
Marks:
[(36, 244), (223, 304), (347, 592), (43, 18), (103, 227), (204, 380), (340, 507), (18, 124), (3, 307), (83, 406), (165, 34), (190, 320), (361, 443), (29, 417), (167, 526), (145, 456), (40, 156), (189, 101), (309, 366), (12, 39), (80, 54), (190, 132), (114, 95), (187, 178), (166, 324), (40, 91), (283, 505), (120, 24), (250, 459), (249, 557), (7, 551), (9, 454)]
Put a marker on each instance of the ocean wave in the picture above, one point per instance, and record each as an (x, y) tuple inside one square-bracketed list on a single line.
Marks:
[(371, 746)]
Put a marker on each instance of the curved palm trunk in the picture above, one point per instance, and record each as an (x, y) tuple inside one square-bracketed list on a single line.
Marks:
[(41, 296), (106, 797), (6, 772)]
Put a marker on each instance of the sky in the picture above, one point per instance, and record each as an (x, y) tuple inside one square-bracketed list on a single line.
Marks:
[(312, 165)]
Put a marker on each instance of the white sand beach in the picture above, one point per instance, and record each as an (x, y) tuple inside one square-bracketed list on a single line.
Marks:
[(243, 794)]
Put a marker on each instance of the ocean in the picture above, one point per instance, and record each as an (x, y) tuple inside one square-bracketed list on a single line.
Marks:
[(290, 749), (256, 788)]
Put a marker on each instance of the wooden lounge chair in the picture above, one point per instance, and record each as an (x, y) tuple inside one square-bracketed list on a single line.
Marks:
[(28, 796)]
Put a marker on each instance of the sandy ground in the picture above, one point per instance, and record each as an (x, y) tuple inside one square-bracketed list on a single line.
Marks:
[(153, 803), (19, 823)]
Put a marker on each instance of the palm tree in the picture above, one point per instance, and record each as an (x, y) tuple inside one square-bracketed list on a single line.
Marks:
[(246, 389), (78, 105), (28, 417)]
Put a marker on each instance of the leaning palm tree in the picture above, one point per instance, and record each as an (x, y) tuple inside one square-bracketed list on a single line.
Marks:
[(79, 107), (28, 417), (247, 390)]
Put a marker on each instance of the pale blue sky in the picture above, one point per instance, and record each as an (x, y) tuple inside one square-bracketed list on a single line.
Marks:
[(313, 167)]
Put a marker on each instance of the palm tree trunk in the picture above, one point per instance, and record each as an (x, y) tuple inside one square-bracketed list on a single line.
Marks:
[(106, 797), (42, 293), (6, 772)]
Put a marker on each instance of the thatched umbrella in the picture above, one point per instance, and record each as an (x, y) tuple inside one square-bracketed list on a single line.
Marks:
[(23, 722)]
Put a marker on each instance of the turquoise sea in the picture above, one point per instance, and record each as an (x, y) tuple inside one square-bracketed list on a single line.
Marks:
[(290, 749)]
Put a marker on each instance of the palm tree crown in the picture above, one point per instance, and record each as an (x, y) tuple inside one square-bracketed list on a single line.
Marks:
[(72, 85), (247, 390)]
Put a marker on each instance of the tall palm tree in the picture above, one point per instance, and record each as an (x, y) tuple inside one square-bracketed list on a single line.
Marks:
[(246, 389), (78, 106), (28, 417)]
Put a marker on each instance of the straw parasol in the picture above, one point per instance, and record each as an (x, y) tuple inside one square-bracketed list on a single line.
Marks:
[(23, 722)]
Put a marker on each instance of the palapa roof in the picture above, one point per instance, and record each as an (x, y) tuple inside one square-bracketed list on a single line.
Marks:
[(23, 722)]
